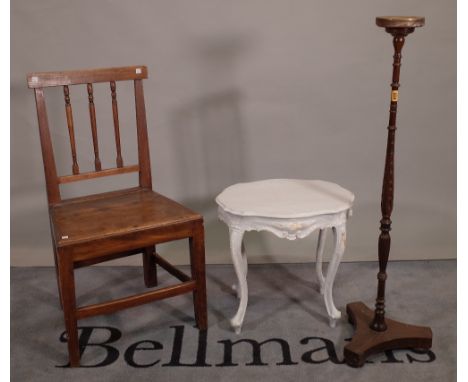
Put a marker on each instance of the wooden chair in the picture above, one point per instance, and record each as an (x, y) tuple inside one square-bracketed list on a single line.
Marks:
[(97, 228)]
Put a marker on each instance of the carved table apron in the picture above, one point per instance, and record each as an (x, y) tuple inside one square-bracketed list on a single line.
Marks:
[(243, 219)]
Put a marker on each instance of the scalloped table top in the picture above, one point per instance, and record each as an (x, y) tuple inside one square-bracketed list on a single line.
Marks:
[(285, 198)]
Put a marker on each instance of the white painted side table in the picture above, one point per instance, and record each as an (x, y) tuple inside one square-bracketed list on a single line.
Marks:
[(290, 209)]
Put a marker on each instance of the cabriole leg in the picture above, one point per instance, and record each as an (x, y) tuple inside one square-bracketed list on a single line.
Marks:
[(239, 260), (244, 268), (339, 233), (319, 259)]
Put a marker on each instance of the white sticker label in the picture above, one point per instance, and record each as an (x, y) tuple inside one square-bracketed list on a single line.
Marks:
[(138, 70), (34, 79), (65, 237)]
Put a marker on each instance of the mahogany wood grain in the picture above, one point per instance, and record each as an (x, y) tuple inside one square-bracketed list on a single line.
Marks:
[(92, 116), (50, 171), (367, 341), (56, 268), (386, 204), (197, 262), (124, 242), (71, 129), (142, 136), (400, 21), (163, 263), (95, 228), (75, 77), (86, 221), (150, 275), (115, 114), (135, 300), (67, 287), (99, 174), (101, 259), (374, 333)]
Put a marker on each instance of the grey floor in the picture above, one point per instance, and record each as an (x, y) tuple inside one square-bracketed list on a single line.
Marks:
[(284, 307)]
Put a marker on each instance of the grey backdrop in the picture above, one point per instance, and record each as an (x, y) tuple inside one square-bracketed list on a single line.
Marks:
[(247, 90)]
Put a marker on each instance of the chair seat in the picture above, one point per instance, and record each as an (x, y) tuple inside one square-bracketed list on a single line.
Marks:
[(115, 213), (285, 198)]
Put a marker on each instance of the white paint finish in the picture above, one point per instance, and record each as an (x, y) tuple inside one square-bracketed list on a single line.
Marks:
[(240, 266), (285, 198), (339, 233), (319, 259), (240, 218)]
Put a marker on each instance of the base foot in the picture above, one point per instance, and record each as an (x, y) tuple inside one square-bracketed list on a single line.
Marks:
[(367, 341), (236, 289)]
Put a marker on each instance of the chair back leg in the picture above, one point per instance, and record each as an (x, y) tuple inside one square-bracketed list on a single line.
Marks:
[(149, 267)]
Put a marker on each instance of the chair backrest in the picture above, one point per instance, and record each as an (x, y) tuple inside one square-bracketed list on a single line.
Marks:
[(39, 81)]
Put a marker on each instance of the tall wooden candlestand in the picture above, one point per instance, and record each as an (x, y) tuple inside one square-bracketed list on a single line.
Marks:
[(374, 333)]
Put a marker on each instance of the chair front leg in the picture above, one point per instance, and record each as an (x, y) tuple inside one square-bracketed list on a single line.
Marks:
[(197, 262), (67, 287), (149, 267), (57, 274)]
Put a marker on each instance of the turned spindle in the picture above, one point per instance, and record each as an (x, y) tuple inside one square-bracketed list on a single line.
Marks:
[(92, 115), (115, 113), (71, 129)]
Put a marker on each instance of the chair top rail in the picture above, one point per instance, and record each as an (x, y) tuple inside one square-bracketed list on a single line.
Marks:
[(75, 77)]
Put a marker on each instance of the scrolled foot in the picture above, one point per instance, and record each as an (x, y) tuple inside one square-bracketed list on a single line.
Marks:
[(236, 289), (236, 326), (333, 320), (334, 317)]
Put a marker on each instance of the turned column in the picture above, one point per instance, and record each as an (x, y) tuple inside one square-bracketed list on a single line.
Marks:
[(374, 333), (386, 204)]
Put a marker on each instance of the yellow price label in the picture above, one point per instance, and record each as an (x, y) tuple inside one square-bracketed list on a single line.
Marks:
[(394, 95)]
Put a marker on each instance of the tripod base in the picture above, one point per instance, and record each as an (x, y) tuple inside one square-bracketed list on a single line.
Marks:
[(367, 341)]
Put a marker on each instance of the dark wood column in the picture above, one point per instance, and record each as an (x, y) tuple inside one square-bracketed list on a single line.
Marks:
[(373, 332)]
